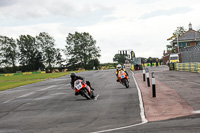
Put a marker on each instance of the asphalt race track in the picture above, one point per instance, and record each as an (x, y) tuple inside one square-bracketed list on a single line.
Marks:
[(51, 107)]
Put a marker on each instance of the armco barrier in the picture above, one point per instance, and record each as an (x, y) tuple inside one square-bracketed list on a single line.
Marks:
[(148, 64), (132, 68), (198, 67), (18, 73), (35, 72), (188, 67), (25, 73), (43, 72), (192, 67), (8, 74)]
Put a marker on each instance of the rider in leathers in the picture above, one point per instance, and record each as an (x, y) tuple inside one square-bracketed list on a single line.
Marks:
[(74, 78), (119, 68)]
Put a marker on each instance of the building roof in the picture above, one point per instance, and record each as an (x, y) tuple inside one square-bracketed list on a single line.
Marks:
[(190, 35)]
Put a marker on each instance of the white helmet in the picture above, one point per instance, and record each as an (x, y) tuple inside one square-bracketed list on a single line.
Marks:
[(119, 67)]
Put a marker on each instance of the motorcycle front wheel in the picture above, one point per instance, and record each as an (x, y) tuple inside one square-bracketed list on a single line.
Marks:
[(85, 92), (126, 83)]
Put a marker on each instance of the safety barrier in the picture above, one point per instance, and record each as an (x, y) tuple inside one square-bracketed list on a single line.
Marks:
[(132, 67), (148, 64), (188, 67), (25, 73)]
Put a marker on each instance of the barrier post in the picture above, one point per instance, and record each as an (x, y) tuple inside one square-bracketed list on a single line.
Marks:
[(143, 73), (147, 74), (153, 85)]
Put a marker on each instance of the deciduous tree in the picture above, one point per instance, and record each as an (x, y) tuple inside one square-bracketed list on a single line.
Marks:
[(119, 58), (81, 49), (180, 30), (48, 49), (30, 55), (8, 52)]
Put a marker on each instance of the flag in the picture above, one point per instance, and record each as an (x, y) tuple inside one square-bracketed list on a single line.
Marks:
[(171, 37)]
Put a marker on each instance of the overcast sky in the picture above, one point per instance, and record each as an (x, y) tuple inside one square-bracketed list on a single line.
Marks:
[(140, 25)]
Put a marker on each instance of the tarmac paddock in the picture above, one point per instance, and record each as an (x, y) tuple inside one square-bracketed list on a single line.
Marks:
[(173, 95)]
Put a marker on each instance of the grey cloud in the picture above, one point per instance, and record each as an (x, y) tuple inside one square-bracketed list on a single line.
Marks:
[(4, 3), (178, 10), (70, 14), (90, 19), (25, 9)]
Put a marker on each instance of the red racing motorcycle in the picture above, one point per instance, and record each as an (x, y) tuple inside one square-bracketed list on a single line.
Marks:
[(83, 89)]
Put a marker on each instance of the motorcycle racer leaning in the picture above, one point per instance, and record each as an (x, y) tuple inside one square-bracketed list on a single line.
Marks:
[(119, 68), (74, 78)]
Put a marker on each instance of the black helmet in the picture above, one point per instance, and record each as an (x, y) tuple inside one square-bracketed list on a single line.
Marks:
[(73, 75)]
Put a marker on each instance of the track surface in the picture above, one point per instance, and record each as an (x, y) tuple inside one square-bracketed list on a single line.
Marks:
[(51, 107)]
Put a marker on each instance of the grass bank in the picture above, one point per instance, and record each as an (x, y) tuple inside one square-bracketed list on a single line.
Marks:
[(19, 80)]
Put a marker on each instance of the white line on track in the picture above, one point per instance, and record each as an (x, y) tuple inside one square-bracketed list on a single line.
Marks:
[(8, 101), (28, 94), (194, 83), (47, 88), (31, 93), (102, 76), (25, 95), (96, 97), (68, 84), (141, 102), (114, 129), (144, 120)]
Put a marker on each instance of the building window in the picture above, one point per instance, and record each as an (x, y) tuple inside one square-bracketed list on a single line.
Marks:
[(198, 43), (179, 45), (169, 48), (187, 44), (182, 44)]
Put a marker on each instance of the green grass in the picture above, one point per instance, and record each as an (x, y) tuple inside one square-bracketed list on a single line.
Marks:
[(19, 80)]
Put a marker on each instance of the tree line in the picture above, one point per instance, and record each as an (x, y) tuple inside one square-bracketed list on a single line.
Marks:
[(29, 53), (120, 59)]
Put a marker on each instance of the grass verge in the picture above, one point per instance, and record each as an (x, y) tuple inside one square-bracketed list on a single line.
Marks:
[(19, 80)]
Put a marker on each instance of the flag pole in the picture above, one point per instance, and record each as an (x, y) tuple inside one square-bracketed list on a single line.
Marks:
[(177, 42)]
